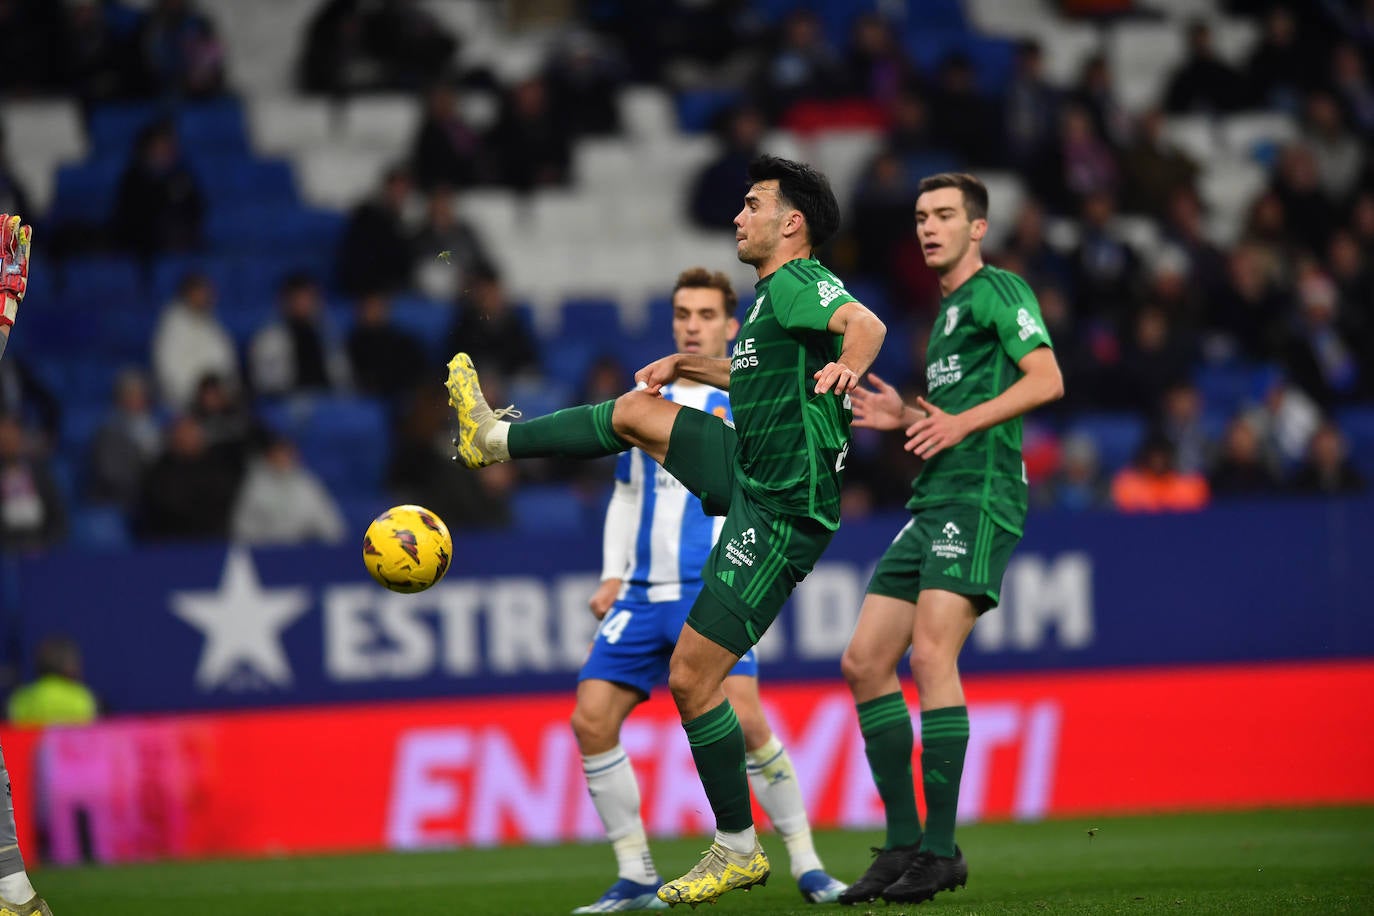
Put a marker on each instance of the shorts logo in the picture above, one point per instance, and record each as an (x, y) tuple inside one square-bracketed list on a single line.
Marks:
[(950, 545), (828, 292), (737, 548), (951, 318)]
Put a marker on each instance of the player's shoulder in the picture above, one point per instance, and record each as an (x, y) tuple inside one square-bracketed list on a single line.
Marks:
[(806, 275), (1001, 286)]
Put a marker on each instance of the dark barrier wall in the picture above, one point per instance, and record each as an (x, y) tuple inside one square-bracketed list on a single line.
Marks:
[(200, 627)]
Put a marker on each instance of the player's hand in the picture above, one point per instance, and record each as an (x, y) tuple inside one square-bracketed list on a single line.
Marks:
[(836, 376), (878, 408), (937, 431), (603, 599), (15, 241), (658, 373)]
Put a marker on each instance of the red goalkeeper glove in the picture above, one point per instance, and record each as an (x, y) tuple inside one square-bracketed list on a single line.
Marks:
[(14, 265)]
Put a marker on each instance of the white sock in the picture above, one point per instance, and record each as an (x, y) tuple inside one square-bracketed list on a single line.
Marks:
[(16, 888), (496, 443), (775, 786), (741, 843), (615, 794)]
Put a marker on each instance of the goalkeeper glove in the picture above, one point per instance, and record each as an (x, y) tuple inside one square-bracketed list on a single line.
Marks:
[(14, 265)]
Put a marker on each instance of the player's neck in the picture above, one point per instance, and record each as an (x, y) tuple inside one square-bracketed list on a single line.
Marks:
[(779, 258), (959, 274)]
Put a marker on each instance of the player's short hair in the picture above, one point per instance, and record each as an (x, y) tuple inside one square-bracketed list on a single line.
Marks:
[(801, 186), (701, 278), (974, 191)]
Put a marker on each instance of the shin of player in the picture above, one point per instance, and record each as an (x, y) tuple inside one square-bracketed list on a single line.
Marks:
[(989, 361), (774, 475), (656, 539)]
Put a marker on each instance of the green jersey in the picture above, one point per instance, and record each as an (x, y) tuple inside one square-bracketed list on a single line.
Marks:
[(983, 330), (792, 442)]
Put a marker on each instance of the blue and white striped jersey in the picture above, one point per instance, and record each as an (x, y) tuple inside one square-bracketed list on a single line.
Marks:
[(656, 531)]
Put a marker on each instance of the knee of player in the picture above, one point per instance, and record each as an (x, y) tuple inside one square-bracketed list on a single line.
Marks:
[(593, 727), (859, 668), (932, 657), (630, 408)]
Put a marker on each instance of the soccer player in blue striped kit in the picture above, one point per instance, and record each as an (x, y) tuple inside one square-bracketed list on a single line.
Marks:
[(656, 540)]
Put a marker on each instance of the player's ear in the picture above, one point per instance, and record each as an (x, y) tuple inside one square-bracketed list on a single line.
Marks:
[(979, 229)]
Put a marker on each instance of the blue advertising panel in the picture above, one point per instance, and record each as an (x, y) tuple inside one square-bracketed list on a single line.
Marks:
[(178, 628)]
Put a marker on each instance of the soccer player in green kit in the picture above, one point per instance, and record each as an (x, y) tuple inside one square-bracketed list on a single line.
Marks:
[(988, 362), (775, 474)]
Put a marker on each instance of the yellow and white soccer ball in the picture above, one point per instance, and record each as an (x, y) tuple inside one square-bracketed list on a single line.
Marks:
[(407, 548)]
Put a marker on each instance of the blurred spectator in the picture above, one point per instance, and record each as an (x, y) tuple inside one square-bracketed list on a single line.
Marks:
[(385, 360), (27, 397), (969, 123), (28, 45), (1351, 84), (1182, 423), (1106, 270), (1171, 287), (488, 327), (1319, 358), (96, 61), (1087, 166), (409, 42), (1203, 83), (299, 352), (606, 379), (1285, 418), (1327, 469), (190, 342), (371, 45), (1354, 277), (1042, 263), (718, 189), (1282, 64), (447, 150), (32, 512), (335, 59), (230, 428), (57, 695), (910, 133), (529, 144), (159, 207), (584, 80), (1032, 115), (875, 62), (180, 53), (1156, 356), (801, 66), (1153, 168), (1339, 154), (1242, 470), (1362, 222), (126, 444), (1077, 483), (1308, 211), (1266, 231), (1095, 93), (1204, 267), (447, 250), (1152, 483), (882, 216), (1249, 308), (282, 502), (374, 253), (421, 468), (13, 197), (188, 492)]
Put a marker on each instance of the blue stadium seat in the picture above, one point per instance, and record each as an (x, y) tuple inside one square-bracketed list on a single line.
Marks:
[(1117, 435), (239, 178), (85, 192), (992, 58), (81, 420), (1358, 425), (567, 361), (100, 528), (697, 109), (539, 397), (169, 270), (213, 127), (546, 509), (1227, 386), (427, 319), (342, 438), (113, 128), (94, 281), (597, 321)]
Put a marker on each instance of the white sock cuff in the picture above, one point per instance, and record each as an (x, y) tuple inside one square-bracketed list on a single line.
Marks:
[(761, 756), (498, 438), (596, 764)]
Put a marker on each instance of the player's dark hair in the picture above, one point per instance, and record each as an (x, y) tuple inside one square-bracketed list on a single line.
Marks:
[(801, 186), (974, 191), (701, 278)]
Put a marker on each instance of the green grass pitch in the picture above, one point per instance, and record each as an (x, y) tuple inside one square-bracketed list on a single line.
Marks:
[(1309, 861)]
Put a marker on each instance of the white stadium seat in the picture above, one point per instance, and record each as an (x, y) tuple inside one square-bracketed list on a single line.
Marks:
[(1243, 132), (1142, 55), (338, 177), (1198, 136), (381, 122), (287, 123), (647, 113)]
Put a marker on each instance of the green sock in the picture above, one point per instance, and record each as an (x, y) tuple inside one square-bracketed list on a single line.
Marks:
[(577, 432), (718, 748), (888, 741), (944, 739)]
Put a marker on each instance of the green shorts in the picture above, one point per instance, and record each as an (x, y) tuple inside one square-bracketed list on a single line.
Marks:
[(956, 548), (760, 555)]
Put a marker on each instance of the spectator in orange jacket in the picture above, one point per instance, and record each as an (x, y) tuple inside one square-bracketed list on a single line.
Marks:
[(1153, 482)]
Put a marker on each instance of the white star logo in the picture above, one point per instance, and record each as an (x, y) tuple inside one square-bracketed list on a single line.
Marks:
[(242, 623)]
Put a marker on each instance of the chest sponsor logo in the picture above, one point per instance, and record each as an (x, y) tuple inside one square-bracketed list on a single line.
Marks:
[(1029, 326), (828, 292), (944, 371), (744, 355), (950, 545), (951, 319)]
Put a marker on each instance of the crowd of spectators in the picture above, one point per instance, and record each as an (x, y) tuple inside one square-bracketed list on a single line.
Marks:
[(184, 453)]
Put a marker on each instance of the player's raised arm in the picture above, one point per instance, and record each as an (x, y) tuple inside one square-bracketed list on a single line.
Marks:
[(15, 241), (863, 334)]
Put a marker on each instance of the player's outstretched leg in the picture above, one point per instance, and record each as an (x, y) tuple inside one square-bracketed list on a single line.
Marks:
[(625, 896), (35, 907), (719, 870), (927, 876), (476, 420)]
